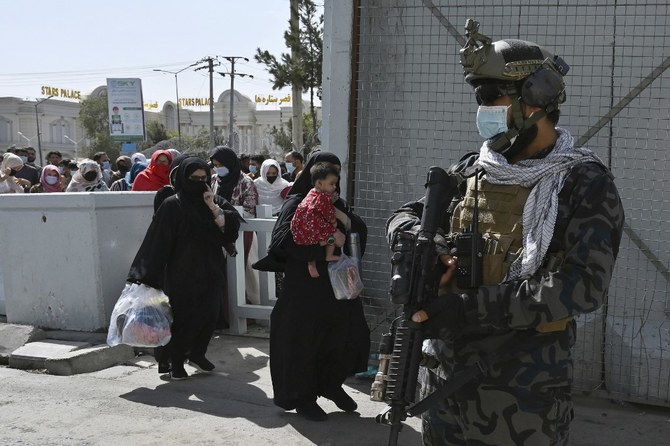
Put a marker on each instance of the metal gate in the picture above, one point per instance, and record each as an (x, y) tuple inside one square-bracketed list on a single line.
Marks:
[(414, 110)]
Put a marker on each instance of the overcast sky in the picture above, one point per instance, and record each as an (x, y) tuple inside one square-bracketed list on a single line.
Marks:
[(77, 44)]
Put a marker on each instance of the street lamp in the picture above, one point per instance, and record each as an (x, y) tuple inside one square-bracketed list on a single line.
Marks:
[(76, 144), (26, 138), (37, 120), (176, 87)]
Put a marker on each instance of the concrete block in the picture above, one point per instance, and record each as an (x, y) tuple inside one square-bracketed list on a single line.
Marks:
[(13, 336), (89, 359), (34, 354)]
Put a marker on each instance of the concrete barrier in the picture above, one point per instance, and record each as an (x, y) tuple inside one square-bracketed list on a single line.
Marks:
[(66, 255)]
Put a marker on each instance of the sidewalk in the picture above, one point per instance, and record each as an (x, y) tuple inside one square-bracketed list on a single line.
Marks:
[(131, 404)]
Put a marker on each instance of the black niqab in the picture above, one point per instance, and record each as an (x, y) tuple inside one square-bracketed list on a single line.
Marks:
[(191, 192)]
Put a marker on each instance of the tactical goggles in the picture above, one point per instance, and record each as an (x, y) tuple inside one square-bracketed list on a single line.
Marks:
[(487, 93)]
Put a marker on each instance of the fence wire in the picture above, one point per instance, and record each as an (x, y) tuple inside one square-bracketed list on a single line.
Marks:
[(414, 110)]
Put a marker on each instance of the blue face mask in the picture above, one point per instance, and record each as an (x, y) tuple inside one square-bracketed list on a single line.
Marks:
[(51, 180), (492, 121), (222, 171), (253, 169), (290, 167)]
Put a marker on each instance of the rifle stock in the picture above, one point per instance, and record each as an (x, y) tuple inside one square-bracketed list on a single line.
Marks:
[(415, 279)]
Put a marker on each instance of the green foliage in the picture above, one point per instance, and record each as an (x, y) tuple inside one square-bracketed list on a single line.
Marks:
[(305, 68), (94, 118), (282, 138), (156, 132)]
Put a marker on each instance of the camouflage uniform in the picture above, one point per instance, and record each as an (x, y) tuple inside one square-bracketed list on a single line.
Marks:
[(525, 399)]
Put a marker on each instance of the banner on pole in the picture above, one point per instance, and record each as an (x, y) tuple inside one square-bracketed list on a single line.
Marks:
[(126, 112)]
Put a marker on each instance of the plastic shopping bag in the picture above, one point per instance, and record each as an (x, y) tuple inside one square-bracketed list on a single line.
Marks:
[(141, 318), (345, 278)]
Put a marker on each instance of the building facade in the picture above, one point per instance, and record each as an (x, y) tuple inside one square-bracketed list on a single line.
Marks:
[(60, 127)]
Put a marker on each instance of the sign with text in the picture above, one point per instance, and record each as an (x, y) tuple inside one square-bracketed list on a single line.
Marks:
[(126, 112)]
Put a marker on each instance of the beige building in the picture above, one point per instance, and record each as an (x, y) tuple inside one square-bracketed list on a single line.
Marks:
[(61, 130)]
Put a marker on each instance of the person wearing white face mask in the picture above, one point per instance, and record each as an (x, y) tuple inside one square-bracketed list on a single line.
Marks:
[(105, 166), (50, 181), (28, 175), (294, 165), (255, 163), (238, 189), (542, 221)]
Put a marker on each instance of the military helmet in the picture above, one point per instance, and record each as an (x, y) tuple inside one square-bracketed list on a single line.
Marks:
[(510, 61)]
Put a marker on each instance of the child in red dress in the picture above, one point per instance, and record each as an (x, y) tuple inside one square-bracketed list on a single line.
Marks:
[(314, 219)]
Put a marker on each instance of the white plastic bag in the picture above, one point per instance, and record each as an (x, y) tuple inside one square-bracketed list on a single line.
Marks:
[(345, 277), (141, 318)]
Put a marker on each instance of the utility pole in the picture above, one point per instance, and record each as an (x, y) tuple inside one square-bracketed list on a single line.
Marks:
[(296, 96), (37, 122), (210, 66), (232, 75)]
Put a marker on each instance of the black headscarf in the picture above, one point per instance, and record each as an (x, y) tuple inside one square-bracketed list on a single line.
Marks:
[(304, 182), (190, 193), (175, 164), (229, 159), (282, 228), (168, 190)]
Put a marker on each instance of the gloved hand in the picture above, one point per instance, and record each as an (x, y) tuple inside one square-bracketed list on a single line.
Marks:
[(442, 317)]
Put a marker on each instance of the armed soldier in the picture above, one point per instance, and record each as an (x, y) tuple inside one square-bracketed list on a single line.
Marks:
[(548, 226)]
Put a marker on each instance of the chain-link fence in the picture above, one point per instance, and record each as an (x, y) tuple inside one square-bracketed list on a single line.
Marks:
[(414, 110)]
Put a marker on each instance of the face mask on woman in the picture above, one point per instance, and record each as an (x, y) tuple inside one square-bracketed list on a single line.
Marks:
[(222, 171), (253, 169), (51, 180), (272, 179), (90, 176)]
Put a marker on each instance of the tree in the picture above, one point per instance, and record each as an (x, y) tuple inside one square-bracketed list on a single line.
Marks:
[(94, 118), (303, 67), (156, 132), (282, 137)]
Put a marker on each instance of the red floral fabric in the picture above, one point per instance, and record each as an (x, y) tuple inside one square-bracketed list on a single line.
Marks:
[(314, 219)]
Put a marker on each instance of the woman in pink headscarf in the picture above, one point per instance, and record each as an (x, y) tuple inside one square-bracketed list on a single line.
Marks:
[(156, 175), (50, 180)]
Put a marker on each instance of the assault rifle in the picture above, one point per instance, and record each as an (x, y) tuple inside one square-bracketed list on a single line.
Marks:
[(416, 271)]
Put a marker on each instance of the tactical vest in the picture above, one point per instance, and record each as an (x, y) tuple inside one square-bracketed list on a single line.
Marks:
[(500, 210)]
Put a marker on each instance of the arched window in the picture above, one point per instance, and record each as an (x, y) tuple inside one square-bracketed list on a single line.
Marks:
[(6, 134), (57, 129)]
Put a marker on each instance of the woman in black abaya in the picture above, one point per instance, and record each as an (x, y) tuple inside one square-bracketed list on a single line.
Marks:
[(316, 341), (181, 254)]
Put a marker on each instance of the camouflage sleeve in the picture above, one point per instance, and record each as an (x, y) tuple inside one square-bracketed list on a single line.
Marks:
[(588, 230), (407, 218)]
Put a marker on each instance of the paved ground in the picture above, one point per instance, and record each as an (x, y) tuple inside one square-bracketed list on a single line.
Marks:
[(132, 405)]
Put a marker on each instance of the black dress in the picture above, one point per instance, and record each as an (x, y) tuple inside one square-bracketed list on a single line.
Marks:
[(181, 254), (316, 341)]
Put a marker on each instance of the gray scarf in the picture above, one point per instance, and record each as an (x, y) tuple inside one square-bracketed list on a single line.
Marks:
[(546, 177)]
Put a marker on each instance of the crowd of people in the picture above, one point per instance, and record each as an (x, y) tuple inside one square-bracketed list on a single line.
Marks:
[(19, 173), (547, 215)]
